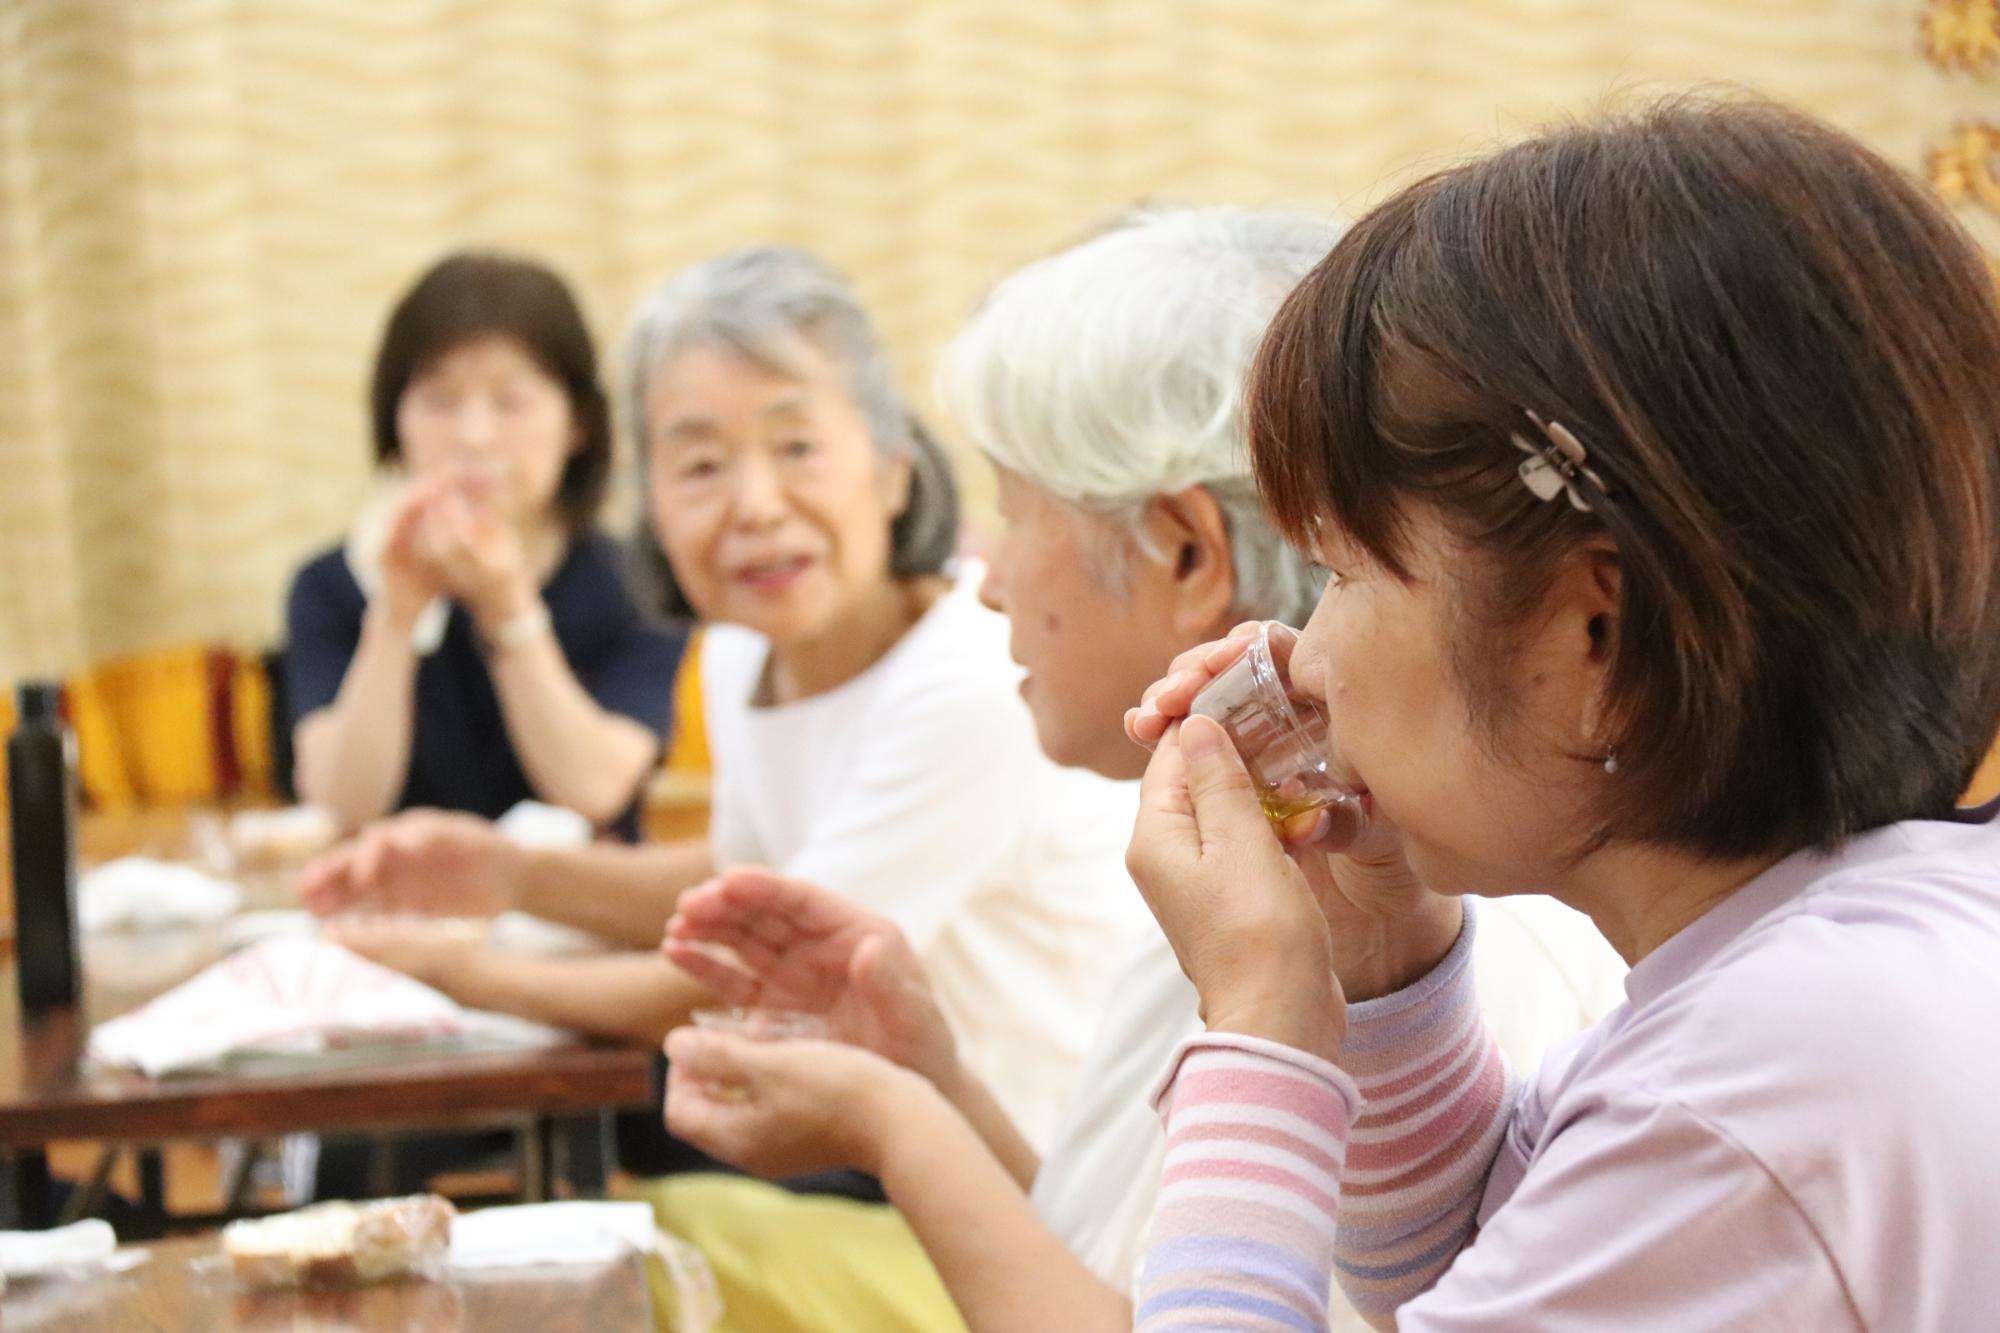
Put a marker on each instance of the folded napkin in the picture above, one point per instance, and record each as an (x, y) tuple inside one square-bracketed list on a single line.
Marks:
[(138, 892), (283, 995), (570, 1232), (80, 1245)]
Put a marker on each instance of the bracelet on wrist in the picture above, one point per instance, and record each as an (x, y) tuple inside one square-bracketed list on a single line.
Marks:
[(519, 629)]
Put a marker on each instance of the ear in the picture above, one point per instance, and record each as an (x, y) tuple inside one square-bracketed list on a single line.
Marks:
[(1187, 531), (897, 476), (1585, 604)]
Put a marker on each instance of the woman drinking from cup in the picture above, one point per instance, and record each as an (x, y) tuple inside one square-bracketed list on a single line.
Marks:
[(1657, 464)]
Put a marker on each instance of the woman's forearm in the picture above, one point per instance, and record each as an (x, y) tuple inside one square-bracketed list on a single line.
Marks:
[(575, 753), (972, 1099), (1004, 1268), (624, 894), (353, 757), (635, 998)]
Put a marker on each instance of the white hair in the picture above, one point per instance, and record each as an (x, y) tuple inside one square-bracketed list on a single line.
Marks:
[(1115, 371)]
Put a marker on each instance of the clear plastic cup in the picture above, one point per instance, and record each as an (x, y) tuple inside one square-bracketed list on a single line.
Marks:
[(1281, 737), (763, 1024)]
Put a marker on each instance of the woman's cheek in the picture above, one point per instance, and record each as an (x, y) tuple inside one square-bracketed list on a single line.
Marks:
[(695, 569)]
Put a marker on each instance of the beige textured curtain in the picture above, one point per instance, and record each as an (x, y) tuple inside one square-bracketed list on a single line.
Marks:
[(205, 206)]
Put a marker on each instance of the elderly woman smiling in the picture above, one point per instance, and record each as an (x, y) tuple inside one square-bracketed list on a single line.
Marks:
[(1106, 383), (1658, 465)]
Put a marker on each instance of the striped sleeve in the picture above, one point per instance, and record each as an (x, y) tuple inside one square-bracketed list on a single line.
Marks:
[(1244, 1227), (1283, 1171), (1436, 1096)]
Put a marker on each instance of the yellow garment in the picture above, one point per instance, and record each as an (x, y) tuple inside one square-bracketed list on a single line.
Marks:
[(151, 730), (687, 751), (793, 1263), (159, 705), (100, 756), (1986, 785), (250, 722)]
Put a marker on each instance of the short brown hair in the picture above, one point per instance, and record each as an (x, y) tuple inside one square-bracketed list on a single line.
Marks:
[(1784, 360), (471, 295)]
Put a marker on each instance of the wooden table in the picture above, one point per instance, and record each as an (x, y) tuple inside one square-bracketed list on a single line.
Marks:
[(185, 1288), (48, 1092)]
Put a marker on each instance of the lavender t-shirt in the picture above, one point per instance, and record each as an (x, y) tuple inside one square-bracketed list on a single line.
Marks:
[(1791, 1123)]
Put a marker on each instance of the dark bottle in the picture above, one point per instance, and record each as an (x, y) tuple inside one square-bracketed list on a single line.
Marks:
[(41, 808)]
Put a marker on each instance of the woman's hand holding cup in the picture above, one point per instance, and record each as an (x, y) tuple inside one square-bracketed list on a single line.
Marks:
[(480, 559), (1169, 698), (1242, 682), (1387, 930), (411, 578), (1240, 913)]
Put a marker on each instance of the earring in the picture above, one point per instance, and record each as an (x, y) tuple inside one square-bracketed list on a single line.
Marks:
[(1611, 759)]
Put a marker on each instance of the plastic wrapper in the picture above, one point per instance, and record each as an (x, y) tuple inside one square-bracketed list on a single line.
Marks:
[(280, 839), (342, 1244)]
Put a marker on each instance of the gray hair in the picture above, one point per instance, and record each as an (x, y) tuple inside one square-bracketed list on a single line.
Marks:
[(765, 304), (1115, 371), (761, 304)]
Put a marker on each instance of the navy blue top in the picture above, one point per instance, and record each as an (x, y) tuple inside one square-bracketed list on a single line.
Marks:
[(460, 754)]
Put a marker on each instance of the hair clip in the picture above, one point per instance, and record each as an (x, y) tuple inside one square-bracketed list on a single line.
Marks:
[(1556, 465)]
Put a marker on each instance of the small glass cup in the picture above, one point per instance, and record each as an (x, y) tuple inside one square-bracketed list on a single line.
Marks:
[(1281, 737), (763, 1024)]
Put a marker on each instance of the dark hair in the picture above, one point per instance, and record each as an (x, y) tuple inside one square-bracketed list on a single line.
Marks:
[(469, 295), (922, 539), (1784, 361)]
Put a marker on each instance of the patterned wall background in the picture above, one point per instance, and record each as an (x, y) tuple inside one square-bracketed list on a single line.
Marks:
[(206, 205)]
